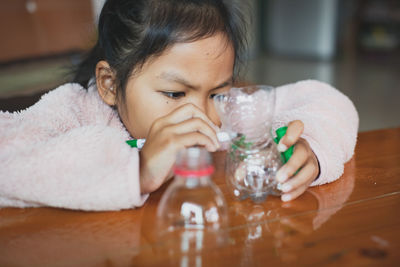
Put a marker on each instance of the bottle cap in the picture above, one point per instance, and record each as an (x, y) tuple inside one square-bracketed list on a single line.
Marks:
[(280, 132), (193, 162), (194, 173)]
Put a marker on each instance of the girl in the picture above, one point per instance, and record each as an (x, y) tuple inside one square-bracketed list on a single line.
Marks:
[(152, 74)]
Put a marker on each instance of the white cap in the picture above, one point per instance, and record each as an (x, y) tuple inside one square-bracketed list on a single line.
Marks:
[(223, 136)]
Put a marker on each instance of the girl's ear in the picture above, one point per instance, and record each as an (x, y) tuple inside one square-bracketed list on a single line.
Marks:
[(105, 81)]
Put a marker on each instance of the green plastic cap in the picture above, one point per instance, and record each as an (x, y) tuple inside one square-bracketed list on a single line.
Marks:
[(280, 132)]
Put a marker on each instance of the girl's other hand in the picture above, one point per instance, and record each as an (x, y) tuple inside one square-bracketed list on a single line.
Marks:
[(303, 160), (184, 127)]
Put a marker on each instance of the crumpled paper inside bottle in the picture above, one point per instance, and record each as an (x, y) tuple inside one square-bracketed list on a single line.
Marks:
[(252, 161)]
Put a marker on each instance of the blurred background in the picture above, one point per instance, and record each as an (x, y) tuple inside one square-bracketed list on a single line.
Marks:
[(352, 44)]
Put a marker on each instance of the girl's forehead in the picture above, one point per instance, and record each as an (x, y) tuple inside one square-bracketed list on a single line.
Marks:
[(213, 46), (211, 54), (201, 55), (215, 50), (204, 65)]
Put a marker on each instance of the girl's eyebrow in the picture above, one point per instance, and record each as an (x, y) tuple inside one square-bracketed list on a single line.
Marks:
[(173, 77), (224, 84)]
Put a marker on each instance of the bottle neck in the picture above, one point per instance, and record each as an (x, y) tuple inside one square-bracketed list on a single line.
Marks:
[(253, 147), (192, 181)]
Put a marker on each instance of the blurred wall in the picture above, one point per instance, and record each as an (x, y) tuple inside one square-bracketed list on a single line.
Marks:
[(301, 28), (36, 28)]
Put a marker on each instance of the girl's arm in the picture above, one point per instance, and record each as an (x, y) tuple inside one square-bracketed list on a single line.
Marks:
[(52, 156), (330, 123)]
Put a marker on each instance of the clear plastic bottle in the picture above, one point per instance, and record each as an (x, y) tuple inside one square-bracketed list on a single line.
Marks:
[(192, 201), (253, 159), (251, 170)]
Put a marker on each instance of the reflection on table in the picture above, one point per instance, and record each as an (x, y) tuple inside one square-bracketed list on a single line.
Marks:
[(353, 220)]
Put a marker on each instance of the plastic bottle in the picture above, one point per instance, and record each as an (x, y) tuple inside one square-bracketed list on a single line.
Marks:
[(253, 159), (192, 201)]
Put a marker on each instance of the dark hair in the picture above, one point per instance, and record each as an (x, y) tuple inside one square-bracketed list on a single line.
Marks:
[(132, 31)]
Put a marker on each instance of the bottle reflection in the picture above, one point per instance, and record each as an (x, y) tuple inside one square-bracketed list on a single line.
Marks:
[(191, 241), (190, 247), (291, 224)]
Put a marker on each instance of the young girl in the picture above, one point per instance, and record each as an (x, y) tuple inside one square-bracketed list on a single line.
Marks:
[(152, 74)]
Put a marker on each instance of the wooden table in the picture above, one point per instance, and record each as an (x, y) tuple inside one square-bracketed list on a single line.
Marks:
[(353, 221)]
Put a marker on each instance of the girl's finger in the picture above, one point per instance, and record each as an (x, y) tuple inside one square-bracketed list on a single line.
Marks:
[(296, 161), (193, 125), (181, 114), (304, 177), (193, 139), (294, 194), (295, 129)]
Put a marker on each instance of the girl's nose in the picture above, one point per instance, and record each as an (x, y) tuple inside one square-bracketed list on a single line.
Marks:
[(206, 105), (211, 113)]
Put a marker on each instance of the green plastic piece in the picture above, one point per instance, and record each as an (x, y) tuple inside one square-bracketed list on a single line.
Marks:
[(288, 153), (132, 143)]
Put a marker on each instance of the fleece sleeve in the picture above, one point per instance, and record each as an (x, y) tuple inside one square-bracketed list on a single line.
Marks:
[(44, 161), (330, 123)]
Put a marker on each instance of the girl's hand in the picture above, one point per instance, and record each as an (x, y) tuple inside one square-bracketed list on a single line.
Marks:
[(184, 127), (303, 159)]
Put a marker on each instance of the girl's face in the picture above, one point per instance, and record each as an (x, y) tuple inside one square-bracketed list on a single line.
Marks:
[(185, 73)]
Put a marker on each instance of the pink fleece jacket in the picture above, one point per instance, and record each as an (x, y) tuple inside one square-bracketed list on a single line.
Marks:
[(69, 151)]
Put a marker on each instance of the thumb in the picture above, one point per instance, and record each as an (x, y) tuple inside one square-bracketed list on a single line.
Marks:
[(293, 133)]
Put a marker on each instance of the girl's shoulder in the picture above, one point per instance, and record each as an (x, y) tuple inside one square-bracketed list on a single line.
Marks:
[(64, 93), (85, 104), (311, 92), (70, 105), (64, 101), (309, 85)]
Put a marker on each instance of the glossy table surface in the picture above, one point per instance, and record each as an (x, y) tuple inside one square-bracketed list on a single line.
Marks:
[(353, 221)]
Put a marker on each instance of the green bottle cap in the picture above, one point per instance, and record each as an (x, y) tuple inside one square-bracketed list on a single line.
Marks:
[(280, 132), (132, 143)]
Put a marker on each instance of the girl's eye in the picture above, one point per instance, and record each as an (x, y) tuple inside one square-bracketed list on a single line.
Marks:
[(174, 95), (212, 96)]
